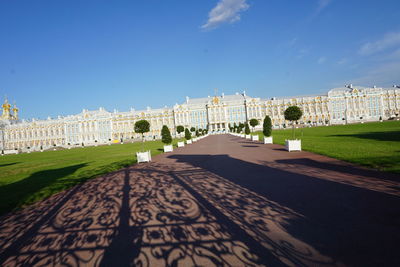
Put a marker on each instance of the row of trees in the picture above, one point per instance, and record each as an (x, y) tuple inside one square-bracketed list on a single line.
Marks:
[(188, 135), (143, 126), (292, 114), (239, 128)]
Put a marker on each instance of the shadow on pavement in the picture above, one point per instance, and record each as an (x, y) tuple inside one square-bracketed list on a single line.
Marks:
[(350, 224), (205, 210)]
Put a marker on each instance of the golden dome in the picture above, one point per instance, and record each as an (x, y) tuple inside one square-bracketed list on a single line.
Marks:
[(6, 105), (215, 100)]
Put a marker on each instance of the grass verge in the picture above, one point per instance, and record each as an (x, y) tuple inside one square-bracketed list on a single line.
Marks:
[(27, 178), (375, 145)]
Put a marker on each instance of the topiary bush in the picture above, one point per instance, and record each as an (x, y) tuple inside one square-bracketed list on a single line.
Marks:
[(166, 137), (180, 129), (142, 127), (247, 129), (293, 113), (253, 123), (267, 126), (188, 136)]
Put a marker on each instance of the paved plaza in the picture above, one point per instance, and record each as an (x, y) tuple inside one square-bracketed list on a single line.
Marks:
[(222, 201)]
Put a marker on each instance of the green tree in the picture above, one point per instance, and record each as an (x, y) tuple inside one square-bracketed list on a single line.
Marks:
[(188, 136), (293, 113), (166, 137), (267, 126), (253, 123), (197, 133), (142, 127), (180, 129), (192, 129), (247, 129)]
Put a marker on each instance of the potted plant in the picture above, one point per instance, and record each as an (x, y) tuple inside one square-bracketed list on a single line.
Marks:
[(188, 136), (293, 114), (247, 131), (254, 123), (267, 130), (166, 138), (180, 129), (142, 127)]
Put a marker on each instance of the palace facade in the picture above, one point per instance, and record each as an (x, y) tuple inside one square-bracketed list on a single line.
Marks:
[(340, 105)]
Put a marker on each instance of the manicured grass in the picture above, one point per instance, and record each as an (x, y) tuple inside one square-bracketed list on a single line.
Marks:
[(375, 145), (27, 178)]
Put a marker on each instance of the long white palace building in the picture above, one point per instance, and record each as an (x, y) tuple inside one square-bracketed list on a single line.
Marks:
[(340, 105)]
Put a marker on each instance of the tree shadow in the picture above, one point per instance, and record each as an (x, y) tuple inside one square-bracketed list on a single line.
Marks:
[(9, 164), (351, 224), (378, 136), (279, 149), (36, 186)]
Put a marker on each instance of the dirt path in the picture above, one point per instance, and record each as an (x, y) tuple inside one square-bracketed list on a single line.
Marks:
[(223, 201)]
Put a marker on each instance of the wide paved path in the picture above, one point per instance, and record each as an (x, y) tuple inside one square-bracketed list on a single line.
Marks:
[(222, 201)]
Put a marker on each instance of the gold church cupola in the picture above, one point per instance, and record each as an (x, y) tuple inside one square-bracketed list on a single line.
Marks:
[(15, 112), (7, 115), (6, 110)]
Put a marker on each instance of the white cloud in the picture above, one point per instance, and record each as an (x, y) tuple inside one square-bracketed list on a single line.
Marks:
[(226, 11), (322, 4), (389, 40), (321, 60)]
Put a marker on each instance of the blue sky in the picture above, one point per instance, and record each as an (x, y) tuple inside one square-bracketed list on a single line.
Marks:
[(58, 57)]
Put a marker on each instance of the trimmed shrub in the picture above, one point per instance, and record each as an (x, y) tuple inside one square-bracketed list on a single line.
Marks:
[(188, 136), (142, 127), (253, 123), (293, 113), (180, 129), (247, 129), (267, 126), (166, 137)]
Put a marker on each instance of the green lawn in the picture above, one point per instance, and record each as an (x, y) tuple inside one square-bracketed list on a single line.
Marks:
[(375, 145), (27, 178)]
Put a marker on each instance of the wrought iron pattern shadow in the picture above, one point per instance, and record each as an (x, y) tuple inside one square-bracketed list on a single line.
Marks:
[(318, 217), (202, 210), (141, 216)]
